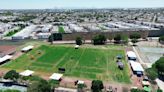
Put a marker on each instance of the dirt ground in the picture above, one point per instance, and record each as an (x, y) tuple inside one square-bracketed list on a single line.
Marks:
[(118, 87)]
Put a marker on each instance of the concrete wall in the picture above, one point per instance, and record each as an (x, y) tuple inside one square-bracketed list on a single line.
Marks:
[(90, 35), (156, 33)]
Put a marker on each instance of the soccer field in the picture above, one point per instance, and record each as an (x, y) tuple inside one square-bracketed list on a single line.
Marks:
[(85, 62)]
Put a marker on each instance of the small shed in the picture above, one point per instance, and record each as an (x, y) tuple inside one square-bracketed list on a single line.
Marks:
[(136, 67), (26, 73), (145, 83), (131, 55), (77, 46), (80, 82), (56, 76), (28, 48), (5, 58)]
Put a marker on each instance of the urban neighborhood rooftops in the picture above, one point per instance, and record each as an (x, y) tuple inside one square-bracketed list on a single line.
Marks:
[(25, 33)]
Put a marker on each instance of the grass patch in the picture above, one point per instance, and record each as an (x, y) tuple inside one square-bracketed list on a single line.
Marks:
[(61, 29), (85, 62), (11, 33)]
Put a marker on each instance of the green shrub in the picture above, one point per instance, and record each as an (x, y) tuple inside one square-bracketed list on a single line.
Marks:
[(13, 75), (10, 90), (136, 90)]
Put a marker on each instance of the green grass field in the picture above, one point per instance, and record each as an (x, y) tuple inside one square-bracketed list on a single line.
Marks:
[(85, 62), (61, 29)]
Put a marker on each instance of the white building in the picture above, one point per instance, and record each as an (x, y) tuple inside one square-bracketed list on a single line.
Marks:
[(131, 55), (28, 48), (43, 35), (56, 76)]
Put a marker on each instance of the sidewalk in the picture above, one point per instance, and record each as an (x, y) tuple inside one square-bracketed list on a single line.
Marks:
[(160, 84)]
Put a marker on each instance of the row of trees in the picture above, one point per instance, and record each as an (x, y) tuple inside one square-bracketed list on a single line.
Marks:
[(119, 38), (48, 86), (42, 86), (38, 84), (157, 70)]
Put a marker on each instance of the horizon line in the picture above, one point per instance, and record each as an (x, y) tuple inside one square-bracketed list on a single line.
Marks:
[(81, 8)]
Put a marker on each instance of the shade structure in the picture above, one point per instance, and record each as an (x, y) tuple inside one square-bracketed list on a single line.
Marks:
[(145, 78), (145, 83), (5, 58), (147, 89), (131, 55), (25, 49), (77, 46), (56, 76), (136, 66), (80, 82), (27, 73)]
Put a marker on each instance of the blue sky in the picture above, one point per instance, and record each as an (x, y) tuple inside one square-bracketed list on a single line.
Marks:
[(44, 4)]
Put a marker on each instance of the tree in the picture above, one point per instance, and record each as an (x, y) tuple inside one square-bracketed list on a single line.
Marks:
[(117, 38), (157, 70), (135, 36), (51, 38), (54, 83), (79, 41), (99, 39), (159, 90), (97, 86), (134, 41), (13, 75), (151, 73), (81, 87), (55, 37), (161, 38), (125, 39), (111, 38), (39, 86), (159, 65)]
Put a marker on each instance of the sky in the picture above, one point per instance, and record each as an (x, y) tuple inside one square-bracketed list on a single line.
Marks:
[(52, 4)]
